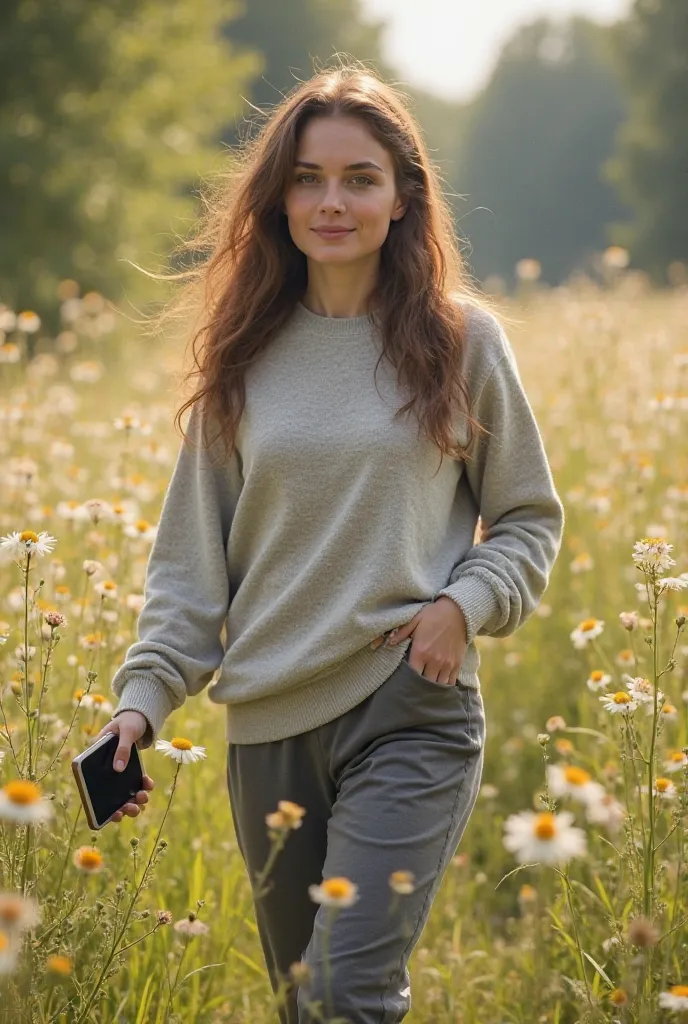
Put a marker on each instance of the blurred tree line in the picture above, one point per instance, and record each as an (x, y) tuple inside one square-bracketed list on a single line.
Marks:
[(111, 114)]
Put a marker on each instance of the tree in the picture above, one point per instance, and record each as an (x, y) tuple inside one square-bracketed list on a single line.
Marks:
[(108, 112), (650, 162)]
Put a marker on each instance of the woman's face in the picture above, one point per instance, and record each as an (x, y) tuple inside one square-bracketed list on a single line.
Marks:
[(325, 191)]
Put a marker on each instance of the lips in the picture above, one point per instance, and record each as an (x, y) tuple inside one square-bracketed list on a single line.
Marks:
[(333, 232)]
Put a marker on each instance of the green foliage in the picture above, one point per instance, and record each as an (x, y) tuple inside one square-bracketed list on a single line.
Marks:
[(108, 112), (650, 163)]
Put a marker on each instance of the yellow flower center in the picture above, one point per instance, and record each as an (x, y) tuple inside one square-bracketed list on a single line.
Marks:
[(678, 756), (588, 624), (596, 675), (97, 698), (618, 997), (545, 827), (142, 525), (337, 888), (89, 858), (626, 654), (78, 694), (23, 792), (28, 535), (59, 964), (662, 785), (668, 709), (622, 697), (679, 990), (179, 743), (109, 585), (576, 776)]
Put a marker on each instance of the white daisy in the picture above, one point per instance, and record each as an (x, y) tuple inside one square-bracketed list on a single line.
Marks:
[(598, 680), (106, 588), (569, 780), (667, 711), (28, 321), (618, 703), (675, 999), (334, 892), (652, 553), (181, 749), (675, 761), (606, 811), (586, 631), (642, 690), (545, 837), (17, 913), (672, 583), (21, 801), (663, 788), (16, 545)]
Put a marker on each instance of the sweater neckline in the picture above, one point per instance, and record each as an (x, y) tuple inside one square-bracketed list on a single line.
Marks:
[(330, 326)]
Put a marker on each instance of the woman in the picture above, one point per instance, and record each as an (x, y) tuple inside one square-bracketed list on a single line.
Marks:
[(331, 542)]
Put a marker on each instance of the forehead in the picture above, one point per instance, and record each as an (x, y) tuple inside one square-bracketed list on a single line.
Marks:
[(335, 141)]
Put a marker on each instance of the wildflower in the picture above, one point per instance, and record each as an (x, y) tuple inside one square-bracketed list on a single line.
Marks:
[(625, 657), (107, 588), (91, 567), (191, 926), (652, 553), (528, 269), (586, 631), (55, 619), (544, 836), (402, 882), (629, 620), (300, 972), (606, 810), (164, 916), (582, 563), (672, 583), (127, 422), (181, 750), (668, 711), (675, 999), (676, 760), (16, 545), (616, 257), (663, 788), (21, 801), (620, 702), (569, 780), (554, 723), (488, 791), (563, 746), (88, 859), (101, 703), (59, 965), (8, 954), (641, 689), (642, 932), (141, 529), (527, 894), (334, 892), (18, 914), (28, 321), (287, 817), (618, 997), (598, 680)]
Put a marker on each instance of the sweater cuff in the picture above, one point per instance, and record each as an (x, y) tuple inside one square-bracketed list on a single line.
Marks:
[(148, 695), (476, 599)]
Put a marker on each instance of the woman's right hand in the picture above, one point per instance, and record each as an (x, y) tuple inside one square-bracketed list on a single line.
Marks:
[(129, 726)]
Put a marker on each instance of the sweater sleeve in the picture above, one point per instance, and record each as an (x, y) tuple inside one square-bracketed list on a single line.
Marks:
[(501, 580), (186, 593)]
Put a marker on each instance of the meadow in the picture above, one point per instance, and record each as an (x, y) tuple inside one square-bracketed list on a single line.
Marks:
[(567, 900)]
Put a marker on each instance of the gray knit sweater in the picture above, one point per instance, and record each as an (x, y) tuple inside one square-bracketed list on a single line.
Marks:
[(330, 526)]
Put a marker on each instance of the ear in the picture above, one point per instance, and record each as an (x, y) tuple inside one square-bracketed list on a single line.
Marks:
[(400, 208)]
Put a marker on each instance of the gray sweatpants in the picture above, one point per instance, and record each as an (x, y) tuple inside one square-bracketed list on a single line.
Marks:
[(387, 786)]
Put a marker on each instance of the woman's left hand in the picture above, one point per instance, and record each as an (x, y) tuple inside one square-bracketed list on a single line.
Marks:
[(439, 640)]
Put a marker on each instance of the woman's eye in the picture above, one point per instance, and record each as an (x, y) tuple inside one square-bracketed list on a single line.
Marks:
[(358, 177)]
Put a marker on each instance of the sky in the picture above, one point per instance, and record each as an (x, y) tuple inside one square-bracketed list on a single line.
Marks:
[(451, 46)]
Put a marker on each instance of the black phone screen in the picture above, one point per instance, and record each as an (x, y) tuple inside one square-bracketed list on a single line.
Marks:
[(107, 788)]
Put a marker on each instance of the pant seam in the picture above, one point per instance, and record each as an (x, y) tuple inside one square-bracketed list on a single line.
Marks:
[(430, 894)]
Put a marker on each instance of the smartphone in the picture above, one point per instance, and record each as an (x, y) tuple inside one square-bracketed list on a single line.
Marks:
[(103, 791)]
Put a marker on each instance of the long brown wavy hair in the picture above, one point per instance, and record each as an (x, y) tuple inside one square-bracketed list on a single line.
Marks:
[(253, 274)]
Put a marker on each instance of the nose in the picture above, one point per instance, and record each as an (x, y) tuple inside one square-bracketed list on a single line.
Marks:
[(332, 198)]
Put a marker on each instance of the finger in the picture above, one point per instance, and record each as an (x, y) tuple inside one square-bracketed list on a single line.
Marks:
[(148, 782), (141, 797), (131, 810), (117, 816)]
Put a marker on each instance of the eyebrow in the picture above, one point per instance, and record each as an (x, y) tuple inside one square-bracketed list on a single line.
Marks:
[(362, 165)]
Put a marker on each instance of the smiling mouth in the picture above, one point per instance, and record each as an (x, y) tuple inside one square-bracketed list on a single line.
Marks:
[(333, 231)]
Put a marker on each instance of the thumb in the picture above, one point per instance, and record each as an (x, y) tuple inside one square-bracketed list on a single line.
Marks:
[(403, 632), (121, 758)]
